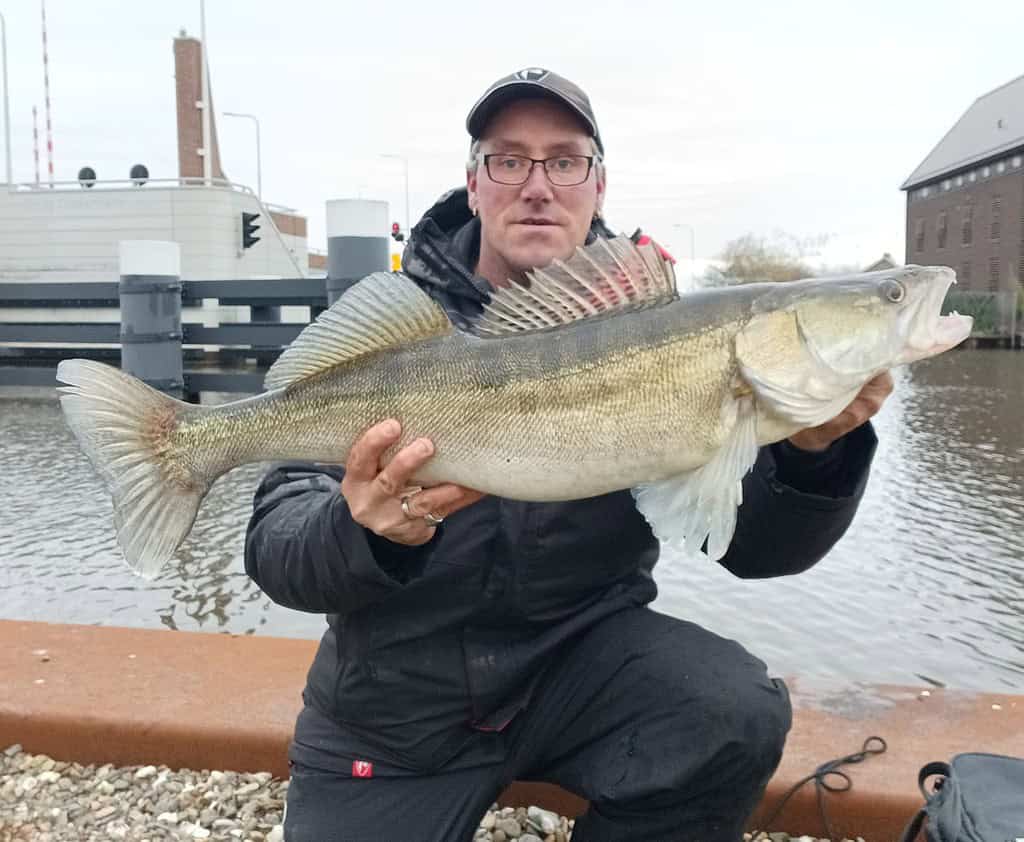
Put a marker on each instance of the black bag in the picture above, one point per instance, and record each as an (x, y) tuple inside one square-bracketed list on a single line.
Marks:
[(979, 798)]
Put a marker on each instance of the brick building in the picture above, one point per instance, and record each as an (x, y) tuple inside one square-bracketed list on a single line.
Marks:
[(965, 202)]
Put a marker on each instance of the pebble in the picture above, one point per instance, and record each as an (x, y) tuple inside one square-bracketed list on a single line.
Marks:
[(543, 820), (510, 827), (45, 800), (50, 801)]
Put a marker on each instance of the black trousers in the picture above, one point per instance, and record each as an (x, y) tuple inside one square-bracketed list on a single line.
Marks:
[(671, 733)]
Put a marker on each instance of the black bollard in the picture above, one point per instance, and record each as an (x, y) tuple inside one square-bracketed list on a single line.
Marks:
[(150, 293)]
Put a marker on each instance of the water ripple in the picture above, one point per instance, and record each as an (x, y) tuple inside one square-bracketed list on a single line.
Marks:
[(927, 585)]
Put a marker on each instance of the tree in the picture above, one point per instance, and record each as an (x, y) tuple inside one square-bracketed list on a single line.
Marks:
[(750, 259)]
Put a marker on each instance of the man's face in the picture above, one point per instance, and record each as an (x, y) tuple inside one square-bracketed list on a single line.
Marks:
[(528, 225)]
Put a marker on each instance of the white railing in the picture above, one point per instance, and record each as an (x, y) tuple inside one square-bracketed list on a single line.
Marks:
[(279, 208), (129, 184)]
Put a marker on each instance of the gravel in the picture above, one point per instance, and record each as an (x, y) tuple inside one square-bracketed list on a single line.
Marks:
[(47, 800)]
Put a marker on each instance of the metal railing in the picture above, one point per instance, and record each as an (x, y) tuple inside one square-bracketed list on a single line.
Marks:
[(228, 357), (128, 184)]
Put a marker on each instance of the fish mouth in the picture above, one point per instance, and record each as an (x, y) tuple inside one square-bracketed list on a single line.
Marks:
[(928, 332)]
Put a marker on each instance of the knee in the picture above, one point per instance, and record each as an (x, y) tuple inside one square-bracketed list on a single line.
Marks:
[(733, 717), (751, 725)]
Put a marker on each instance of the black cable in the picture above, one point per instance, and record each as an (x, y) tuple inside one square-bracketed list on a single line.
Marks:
[(821, 784)]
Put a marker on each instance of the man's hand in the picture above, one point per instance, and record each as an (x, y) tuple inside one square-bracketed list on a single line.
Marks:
[(374, 492), (867, 403)]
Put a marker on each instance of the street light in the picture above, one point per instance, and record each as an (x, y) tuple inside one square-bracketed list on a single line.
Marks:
[(7, 109), (405, 163), (259, 166)]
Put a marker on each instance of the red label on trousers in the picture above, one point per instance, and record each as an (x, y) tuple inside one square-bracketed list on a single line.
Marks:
[(362, 769)]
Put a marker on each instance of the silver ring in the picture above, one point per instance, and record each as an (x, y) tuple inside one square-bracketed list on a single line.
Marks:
[(433, 519), (405, 507)]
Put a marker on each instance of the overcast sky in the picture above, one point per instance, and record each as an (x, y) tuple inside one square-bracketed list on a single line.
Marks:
[(803, 117)]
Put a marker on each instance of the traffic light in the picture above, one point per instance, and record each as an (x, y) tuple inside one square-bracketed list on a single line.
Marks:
[(249, 229), (396, 233)]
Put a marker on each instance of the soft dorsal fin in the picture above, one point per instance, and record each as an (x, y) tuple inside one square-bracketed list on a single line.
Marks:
[(609, 275), (382, 310)]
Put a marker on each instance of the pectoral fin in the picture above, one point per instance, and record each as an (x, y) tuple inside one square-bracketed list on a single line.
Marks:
[(686, 510)]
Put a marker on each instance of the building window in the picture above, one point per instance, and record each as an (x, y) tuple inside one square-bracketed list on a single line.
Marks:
[(965, 273), (959, 181), (996, 212), (967, 231), (972, 176), (1001, 167), (1016, 160), (924, 192), (942, 230), (986, 172), (993, 274), (947, 184), (919, 235)]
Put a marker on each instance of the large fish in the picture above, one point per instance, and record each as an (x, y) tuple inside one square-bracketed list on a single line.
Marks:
[(593, 376)]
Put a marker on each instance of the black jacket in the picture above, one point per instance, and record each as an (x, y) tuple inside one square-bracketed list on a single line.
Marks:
[(427, 645)]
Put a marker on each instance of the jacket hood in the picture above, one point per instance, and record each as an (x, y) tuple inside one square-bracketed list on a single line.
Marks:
[(443, 248)]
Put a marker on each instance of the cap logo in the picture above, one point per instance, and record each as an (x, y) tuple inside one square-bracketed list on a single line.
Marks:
[(532, 74)]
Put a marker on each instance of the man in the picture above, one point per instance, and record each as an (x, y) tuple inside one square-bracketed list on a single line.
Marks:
[(475, 640)]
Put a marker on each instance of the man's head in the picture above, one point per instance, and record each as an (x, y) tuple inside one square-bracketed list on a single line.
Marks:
[(533, 114)]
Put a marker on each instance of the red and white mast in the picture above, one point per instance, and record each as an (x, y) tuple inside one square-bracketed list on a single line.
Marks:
[(46, 87), (35, 140)]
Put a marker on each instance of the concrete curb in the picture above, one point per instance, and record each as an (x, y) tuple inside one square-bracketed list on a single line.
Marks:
[(215, 701)]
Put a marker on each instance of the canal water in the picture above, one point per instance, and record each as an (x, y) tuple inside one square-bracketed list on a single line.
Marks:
[(926, 587)]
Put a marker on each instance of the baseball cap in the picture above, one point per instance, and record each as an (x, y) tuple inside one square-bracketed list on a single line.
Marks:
[(532, 82)]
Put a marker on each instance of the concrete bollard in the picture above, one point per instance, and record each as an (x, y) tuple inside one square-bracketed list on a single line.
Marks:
[(150, 292), (357, 243)]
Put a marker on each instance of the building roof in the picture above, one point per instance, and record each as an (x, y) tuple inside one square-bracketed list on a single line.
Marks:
[(884, 262), (993, 124)]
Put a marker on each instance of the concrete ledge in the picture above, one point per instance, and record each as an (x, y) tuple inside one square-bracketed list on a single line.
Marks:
[(214, 701)]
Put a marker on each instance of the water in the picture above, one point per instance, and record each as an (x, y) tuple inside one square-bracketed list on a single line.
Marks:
[(927, 586)]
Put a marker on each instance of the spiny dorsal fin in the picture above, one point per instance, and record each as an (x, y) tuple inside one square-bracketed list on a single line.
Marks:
[(382, 310), (607, 276)]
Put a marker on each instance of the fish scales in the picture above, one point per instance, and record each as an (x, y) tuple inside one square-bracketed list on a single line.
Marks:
[(668, 395), (541, 417)]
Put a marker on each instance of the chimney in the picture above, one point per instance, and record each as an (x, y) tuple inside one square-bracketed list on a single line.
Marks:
[(188, 55)]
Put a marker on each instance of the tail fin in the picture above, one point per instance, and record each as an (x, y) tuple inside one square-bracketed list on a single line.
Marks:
[(125, 428)]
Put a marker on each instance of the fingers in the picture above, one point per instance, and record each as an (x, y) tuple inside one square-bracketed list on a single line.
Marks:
[(442, 500), (868, 402), (363, 461), (862, 408), (374, 494), (876, 391), (393, 478)]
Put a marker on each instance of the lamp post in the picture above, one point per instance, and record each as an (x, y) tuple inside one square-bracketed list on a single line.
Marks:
[(405, 163), (7, 109), (259, 165), (204, 75)]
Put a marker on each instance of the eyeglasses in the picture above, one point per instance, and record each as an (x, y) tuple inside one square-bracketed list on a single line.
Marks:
[(561, 170)]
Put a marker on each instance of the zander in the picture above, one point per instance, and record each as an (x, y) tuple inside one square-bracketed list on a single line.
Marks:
[(589, 376)]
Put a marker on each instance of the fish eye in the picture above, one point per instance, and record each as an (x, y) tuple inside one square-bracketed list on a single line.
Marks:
[(893, 290)]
